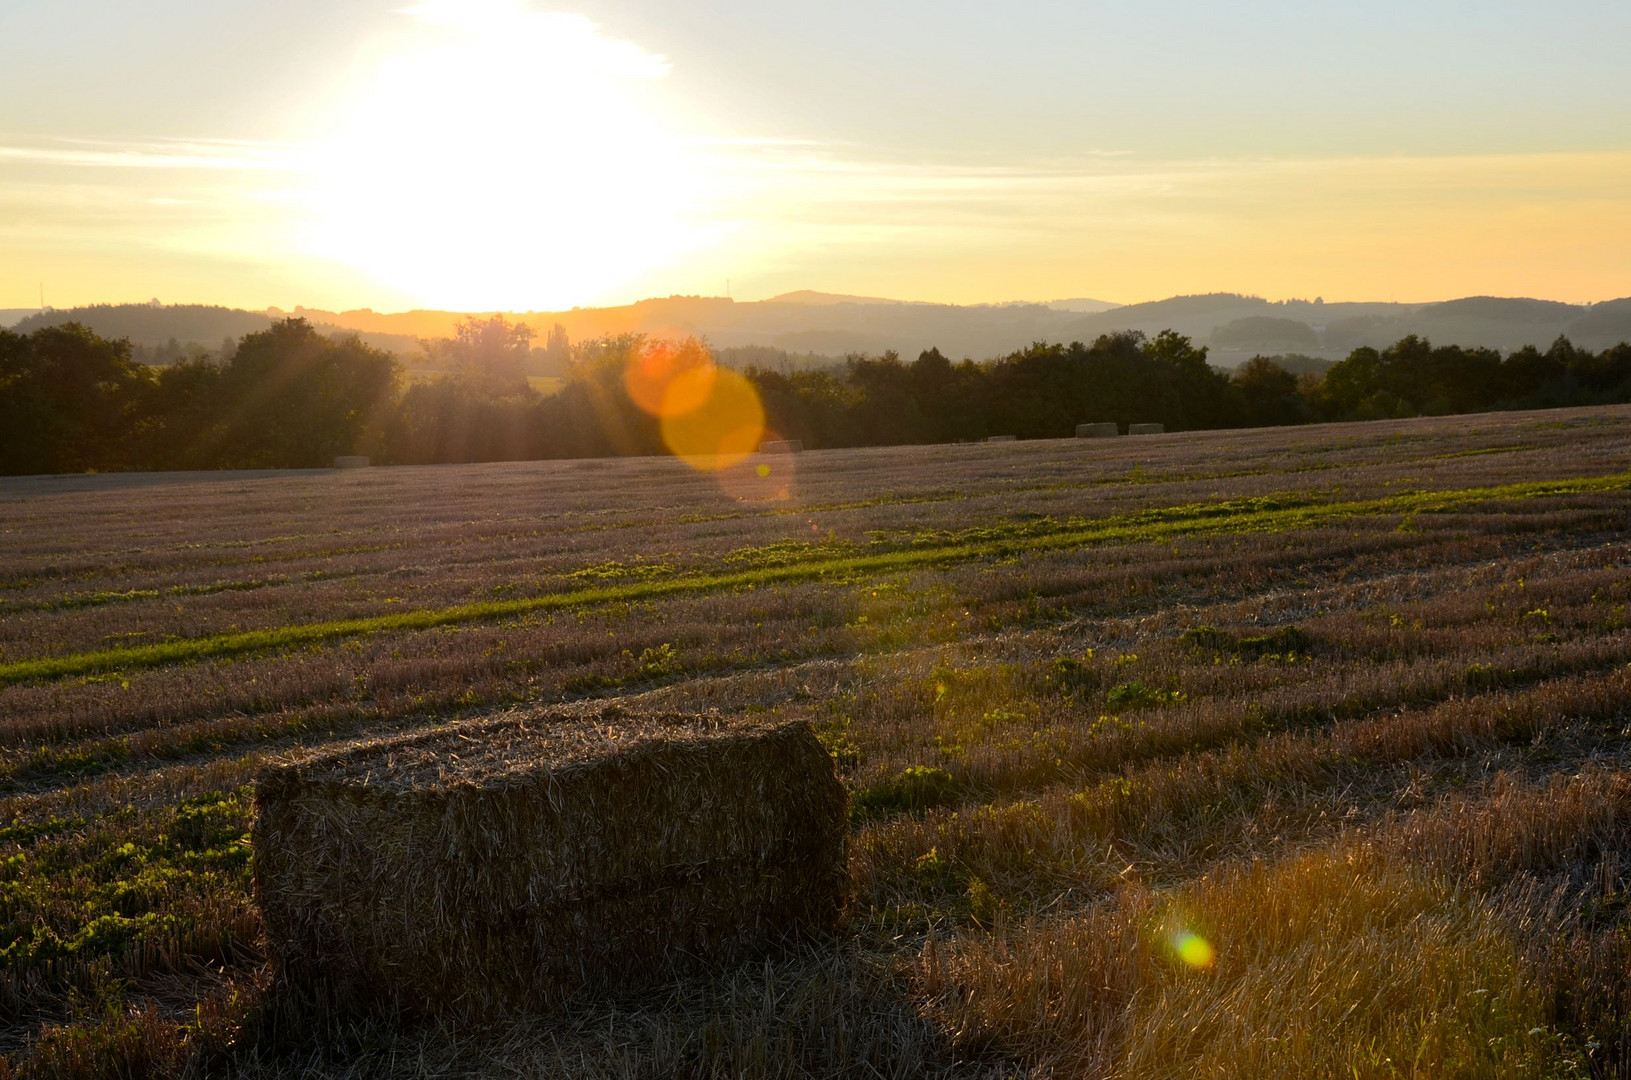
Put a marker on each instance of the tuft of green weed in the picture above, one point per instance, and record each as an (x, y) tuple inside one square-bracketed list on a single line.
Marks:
[(917, 787), (1281, 642), (1137, 694), (1072, 676)]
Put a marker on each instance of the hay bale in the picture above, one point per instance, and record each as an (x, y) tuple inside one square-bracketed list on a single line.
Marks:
[(782, 446), (1097, 431), (1145, 429), (1000, 438), (351, 461), (513, 862)]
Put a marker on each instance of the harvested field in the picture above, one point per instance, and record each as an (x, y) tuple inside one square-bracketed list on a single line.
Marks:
[(1289, 752)]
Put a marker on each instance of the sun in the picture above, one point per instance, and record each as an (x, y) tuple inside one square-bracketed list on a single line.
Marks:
[(491, 157)]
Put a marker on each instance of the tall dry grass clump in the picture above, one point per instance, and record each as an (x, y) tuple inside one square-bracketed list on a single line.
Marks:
[(1455, 941), (514, 862), (1330, 964)]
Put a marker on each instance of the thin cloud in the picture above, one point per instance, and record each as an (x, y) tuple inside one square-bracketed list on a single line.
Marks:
[(236, 155)]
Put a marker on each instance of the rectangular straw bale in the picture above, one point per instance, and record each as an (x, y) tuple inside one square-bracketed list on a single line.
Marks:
[(516, 861), (1097, 431), (1000, 438), (1145, 429)]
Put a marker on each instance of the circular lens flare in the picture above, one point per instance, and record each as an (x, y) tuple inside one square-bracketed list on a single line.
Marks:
[(724, 429), (1193, 949), (669, 378)]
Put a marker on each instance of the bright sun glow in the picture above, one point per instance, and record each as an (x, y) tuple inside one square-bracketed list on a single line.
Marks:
[(496, 157)]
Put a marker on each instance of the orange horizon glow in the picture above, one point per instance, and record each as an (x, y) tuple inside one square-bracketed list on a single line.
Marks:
[(1552, 226)]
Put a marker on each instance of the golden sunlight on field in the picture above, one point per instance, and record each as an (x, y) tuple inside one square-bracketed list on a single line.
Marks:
[(1293, 752)]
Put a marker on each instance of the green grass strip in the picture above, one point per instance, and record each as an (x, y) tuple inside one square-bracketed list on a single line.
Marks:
[(1268, 514)]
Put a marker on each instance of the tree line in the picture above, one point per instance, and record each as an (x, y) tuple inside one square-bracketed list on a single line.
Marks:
[(291, 397)]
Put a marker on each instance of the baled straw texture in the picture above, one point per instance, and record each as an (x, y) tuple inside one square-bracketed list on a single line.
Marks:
[(513, 862)]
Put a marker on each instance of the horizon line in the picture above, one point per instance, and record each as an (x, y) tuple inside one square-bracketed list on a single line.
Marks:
[(838, 299)]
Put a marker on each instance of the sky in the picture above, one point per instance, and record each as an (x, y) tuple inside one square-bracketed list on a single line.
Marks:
[(501, 154)]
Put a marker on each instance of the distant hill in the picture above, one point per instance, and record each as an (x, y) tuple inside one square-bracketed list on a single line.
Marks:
[(1198, 316), (1265, 333), (409, 324), (8, 316), (808, 324), (1489, 321), (154, 324), (1085, 304), (1340, 327), (1605, 324), (811, 298), (1499, 309)]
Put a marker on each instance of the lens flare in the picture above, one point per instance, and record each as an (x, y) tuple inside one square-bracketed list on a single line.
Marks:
[(1193, 949), (724, 429), (668, 378), (762, 478), (710, 417)]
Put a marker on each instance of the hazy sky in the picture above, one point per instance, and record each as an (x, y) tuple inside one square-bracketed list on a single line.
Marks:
[(492, 153)]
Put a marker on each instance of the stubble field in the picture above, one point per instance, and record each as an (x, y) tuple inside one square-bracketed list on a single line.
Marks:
[(1294, 752)]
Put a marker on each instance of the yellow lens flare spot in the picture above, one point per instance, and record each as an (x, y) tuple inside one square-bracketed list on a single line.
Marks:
[(762, 479), (1193, 949), (758, 481), (724, 429)]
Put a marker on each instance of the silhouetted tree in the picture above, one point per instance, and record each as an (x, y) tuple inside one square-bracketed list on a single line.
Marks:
[(1269, 394), (558, 350), (490, 354), (292, 398), (183, 419), (68, 401)]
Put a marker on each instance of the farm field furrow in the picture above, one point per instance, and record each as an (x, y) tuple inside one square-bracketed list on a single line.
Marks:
[(1276, 752)]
